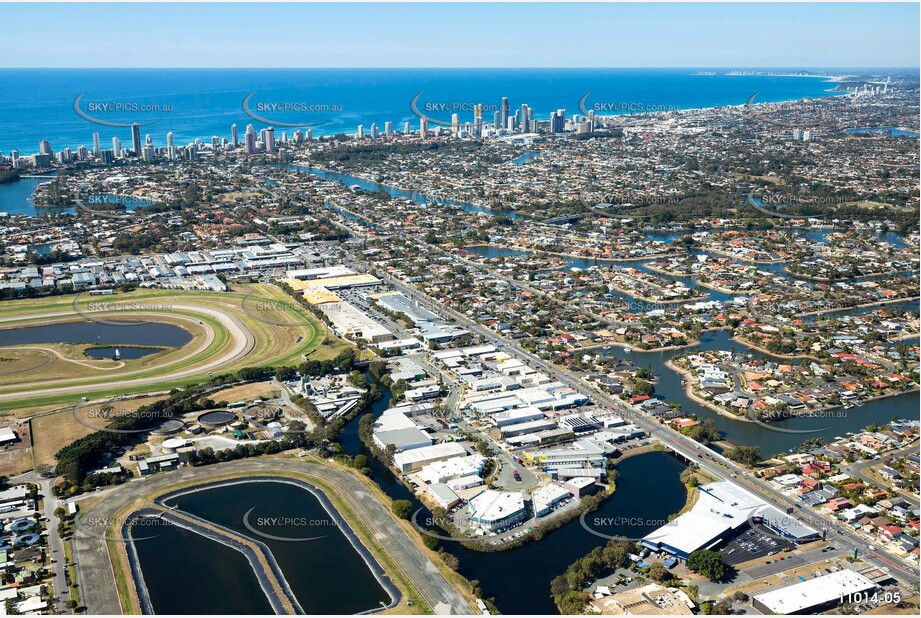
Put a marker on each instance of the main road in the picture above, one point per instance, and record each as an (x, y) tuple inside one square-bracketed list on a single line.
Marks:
[(704, 457), (94, 568), (55, 544)]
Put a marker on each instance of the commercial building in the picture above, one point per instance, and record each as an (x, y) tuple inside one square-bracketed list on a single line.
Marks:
[(547, 497), (814, 595), (443, 495), (349, 321), (414, 459), (722, 509), (497, 509), (579, 453), (307, 274)]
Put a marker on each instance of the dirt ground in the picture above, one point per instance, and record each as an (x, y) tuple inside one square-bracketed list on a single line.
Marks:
[(246, 392), (55, 431), (16, 458)]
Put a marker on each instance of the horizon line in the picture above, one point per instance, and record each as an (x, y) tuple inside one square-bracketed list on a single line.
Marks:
[(450, 68)]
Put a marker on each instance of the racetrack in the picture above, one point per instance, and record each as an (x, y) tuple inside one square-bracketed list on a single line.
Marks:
[(242, 343)]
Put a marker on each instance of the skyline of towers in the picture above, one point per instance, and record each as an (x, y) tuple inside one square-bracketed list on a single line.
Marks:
[(264, 140)]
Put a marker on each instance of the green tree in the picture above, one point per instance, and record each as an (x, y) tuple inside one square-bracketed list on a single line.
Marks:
[(657, 571), (402, 508), (708, 563), (747, 455)]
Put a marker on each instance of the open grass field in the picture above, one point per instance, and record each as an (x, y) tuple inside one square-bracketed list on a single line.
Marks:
[(67, 361), (246, 392), (51, 432), (253, 325)]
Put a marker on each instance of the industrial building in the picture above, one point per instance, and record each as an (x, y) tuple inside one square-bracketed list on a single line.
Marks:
[(465, 482), (520, 415), (547, 497), (443, 495), (581, 486), (813, 595), (411, 460), (7, 435), (151, 465), (395, 428), (497, 509), (450, 469), (529, 427)]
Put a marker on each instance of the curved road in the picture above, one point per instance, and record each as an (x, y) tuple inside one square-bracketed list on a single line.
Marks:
[(94, 569), (858, 468), (243, 340)]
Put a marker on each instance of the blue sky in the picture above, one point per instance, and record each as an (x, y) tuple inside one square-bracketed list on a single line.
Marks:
[(460, 35)]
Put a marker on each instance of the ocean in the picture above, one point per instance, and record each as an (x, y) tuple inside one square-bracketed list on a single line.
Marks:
[(38, 104)]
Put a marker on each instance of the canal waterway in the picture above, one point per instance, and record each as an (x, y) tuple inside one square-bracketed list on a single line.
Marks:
[(375, 187), (670, 388), (519, 579)]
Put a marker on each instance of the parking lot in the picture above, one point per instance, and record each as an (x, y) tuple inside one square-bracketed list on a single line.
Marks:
[(753, 543)]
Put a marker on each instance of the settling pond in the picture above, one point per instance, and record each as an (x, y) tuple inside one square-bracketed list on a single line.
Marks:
[(326, 573)]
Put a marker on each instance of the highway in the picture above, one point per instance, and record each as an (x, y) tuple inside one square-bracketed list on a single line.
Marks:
[(708, 460)]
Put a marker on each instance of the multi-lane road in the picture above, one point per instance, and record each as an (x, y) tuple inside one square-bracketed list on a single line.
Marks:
[(708, 460)]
